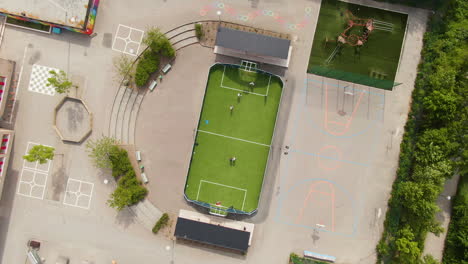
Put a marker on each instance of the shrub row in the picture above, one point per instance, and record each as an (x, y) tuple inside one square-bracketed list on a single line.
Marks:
[(129, 189), (162, 222), (147, 65), (433, 138), (198, 31), (456, 243), (149, 61)]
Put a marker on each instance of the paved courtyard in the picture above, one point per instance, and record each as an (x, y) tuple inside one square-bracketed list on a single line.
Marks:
[(328, 194)]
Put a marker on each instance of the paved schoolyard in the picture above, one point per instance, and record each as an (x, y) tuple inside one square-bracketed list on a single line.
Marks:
[(98, 233)]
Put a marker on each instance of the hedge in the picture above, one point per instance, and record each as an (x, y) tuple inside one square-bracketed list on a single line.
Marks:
[(129, 189), (433, 141), (199, 31), (162, 222), (147, 65)]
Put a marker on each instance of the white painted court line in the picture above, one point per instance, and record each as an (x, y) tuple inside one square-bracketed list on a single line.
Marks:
[(239, 90), (78, 194), (240, 189), (127, 39), (239, 139)]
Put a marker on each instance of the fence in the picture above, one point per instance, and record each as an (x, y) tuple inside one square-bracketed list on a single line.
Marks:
[(353, 77)]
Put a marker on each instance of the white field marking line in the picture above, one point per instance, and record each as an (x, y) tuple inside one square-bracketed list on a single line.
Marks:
[(240, 189), (207, 132), (18, 82), (268, 87), (235, 89)]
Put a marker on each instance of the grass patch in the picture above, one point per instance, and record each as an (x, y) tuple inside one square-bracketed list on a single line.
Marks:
[(28, 24), (212, 178), (375, 63)]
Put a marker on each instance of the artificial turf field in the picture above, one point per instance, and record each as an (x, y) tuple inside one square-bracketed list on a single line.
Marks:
[(380, 54), (245, 134)]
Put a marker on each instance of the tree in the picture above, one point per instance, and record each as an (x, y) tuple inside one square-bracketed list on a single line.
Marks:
[(40, 153), (407, 248), (60, 82), (127, 196), (123, 67), (158, 42), (99, 151), (120, 162)]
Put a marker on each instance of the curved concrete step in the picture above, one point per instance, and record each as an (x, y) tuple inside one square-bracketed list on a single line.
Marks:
[(126, 117), (174, 32), (185, 42), (146, 213), (182, 36), (121, 112), (134, 116), (115, 111)]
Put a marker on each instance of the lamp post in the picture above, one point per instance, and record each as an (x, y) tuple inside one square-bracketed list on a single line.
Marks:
[(219, 13)]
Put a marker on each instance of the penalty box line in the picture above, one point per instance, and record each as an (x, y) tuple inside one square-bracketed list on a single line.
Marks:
[(244, 91), (239, 139), (228, 186)]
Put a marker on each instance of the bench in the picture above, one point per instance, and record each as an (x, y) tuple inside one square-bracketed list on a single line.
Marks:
[(153, 85), (313, 255), (144, 178), (166, 68), (138, 155)]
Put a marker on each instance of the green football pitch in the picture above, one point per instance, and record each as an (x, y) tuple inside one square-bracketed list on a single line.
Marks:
[(375, 63), (245, 132)]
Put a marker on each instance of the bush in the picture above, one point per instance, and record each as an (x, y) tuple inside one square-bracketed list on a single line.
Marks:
[(120, 162), (199, 31), (162, 222), (432, 145), (148, 64), (129, 189)]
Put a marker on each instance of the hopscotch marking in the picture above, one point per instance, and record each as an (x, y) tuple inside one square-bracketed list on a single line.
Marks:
[(228, 186), (73, 197), (33, 177), (127, 41), (244, 91), (239, 139)]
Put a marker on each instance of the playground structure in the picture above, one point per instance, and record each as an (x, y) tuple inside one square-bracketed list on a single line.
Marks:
[(348, 37)]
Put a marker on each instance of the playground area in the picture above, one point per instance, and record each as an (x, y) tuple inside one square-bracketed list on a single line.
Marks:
[(233, 139), (358, 44)]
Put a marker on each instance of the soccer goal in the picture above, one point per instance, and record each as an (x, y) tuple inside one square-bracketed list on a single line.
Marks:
[(248, 66)]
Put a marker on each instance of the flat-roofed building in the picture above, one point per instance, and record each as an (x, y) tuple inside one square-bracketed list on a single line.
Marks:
[(6, 144), (6, 77), (252, 46), (228, 235), (73, 15)]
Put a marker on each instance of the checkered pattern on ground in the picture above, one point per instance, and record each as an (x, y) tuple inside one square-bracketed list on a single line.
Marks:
[(38, 80)]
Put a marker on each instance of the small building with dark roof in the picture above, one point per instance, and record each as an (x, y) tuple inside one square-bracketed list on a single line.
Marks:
[(253, 46), (231, 236)]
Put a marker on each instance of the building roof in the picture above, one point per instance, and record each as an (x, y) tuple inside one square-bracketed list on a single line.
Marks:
[(212, 234), (70, 13), (253, 43)]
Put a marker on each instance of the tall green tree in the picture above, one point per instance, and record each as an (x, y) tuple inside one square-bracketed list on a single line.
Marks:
[(99, 151), (60, 82), (40, 153), (408, 250)]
